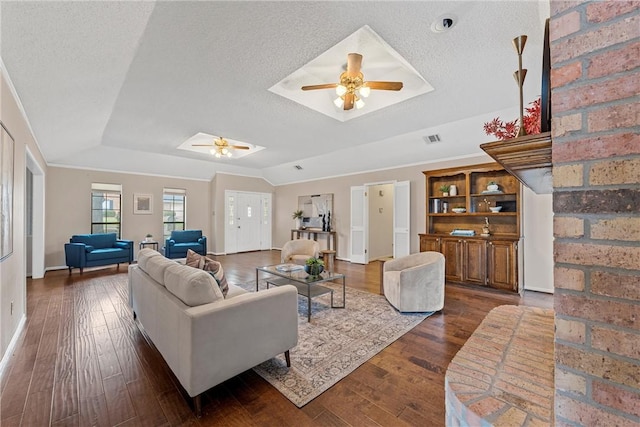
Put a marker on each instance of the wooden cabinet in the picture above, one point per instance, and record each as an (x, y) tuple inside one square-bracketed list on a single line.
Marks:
[(476, 259)]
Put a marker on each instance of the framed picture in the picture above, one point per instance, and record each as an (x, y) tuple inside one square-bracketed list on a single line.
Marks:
[(6, 192), (142, 204)]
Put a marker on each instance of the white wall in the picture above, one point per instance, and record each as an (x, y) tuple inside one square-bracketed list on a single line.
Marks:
[(538, 241)]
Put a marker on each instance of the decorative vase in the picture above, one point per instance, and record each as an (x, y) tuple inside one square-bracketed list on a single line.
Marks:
[(298, 223), (314, 270), (453, 190), (445, 194)]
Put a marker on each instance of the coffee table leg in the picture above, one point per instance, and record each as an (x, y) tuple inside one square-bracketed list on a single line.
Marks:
[(308, 303), (257, 273)]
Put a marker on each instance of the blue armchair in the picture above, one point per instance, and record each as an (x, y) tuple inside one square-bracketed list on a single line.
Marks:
[(90, 250), (182, 240)]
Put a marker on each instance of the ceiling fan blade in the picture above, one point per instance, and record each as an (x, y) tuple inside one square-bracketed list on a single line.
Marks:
[(323, 86), (348, 101), (354, 63), (202, 145), (239, 147), (384, 85)]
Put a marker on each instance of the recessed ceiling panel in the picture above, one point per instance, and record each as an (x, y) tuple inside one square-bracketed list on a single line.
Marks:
[(380, 63)]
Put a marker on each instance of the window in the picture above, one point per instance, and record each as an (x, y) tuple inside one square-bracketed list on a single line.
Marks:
[(174, 202), (106, 208)]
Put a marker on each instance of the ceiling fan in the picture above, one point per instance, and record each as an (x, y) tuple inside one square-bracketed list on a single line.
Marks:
[(221, 147), (352, 87)]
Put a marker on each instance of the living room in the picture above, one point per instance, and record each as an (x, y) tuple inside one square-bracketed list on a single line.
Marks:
[(69, 186)]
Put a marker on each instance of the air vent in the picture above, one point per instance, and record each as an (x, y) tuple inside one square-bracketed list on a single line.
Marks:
[(298, 167), (431, 139)]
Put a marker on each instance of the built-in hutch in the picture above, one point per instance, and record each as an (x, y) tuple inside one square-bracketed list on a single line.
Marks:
[(455, 222)]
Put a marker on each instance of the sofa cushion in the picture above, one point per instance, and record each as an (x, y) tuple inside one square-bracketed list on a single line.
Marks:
[(98, 240), (186, 236), (106, 253), (212, 266), (156, 267), (144, 255), (192, 286)]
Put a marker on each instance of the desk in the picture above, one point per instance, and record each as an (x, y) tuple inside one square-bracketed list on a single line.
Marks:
[(145, 243), (313, 234)]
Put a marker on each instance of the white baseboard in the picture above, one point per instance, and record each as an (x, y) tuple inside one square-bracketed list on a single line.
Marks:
[(533, 288), (12, 344)]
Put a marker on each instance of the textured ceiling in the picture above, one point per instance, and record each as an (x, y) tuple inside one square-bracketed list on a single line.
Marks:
[(120, 85)]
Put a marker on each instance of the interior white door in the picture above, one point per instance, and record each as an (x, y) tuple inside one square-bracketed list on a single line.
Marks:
[(359, 223), (249, 221), (401, 218)]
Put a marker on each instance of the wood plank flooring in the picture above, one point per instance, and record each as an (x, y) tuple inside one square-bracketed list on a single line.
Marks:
[(82, 361)]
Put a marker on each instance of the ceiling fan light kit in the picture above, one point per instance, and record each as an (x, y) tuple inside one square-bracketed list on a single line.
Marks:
[(352, 87)]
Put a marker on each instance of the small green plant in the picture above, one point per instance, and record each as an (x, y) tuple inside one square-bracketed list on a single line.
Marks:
[(314, 266), (444, 188), (149, 235), (297, 214), (491, 183), (314, 261)]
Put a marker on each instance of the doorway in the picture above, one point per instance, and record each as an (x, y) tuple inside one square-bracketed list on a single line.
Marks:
[(34, 218), (380, 216), (247, 221)]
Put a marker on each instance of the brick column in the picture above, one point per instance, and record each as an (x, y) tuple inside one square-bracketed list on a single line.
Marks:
[(595, 80)]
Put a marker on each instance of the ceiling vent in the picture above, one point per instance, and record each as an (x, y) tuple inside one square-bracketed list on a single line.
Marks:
[(298, 167), (431, 139)]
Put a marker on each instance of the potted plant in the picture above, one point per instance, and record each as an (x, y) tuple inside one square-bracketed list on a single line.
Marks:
[(314, 266), (297, 215), (445, 190), (148, 237), (492, 186)]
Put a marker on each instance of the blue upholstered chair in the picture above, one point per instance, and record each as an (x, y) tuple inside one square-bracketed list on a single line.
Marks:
[(90, 250), (182, 240)]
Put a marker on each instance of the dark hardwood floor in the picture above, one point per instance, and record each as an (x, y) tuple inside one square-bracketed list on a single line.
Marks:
[(81, 361)]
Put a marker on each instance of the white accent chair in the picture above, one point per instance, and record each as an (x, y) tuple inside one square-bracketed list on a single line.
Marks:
[(415, 283), (299, 250)]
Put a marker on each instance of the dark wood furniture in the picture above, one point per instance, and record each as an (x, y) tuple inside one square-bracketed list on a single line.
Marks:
[(493, 260)]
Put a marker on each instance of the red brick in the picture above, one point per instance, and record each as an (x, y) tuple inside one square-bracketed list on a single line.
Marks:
[(614, 117), (624, 229), (568, 278), (616, 285), (591, 41), (564, 25), (605, 10), (626, 257), (570, 330), (568, 381), (586, 415), (597, 93), (598, 310), (617, 342), (598, 147), (610, 172), (567, 74), (616, 398), (558, 7), (603, 366), (617, 61)]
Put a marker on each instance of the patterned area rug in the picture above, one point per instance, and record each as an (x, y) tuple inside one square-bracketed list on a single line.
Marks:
[(335, 342)]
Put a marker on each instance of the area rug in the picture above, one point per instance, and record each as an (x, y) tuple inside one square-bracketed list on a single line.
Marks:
[(335, 342)]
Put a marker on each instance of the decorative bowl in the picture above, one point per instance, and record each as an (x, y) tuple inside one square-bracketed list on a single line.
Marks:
[(314, 270), (459, 210), (495, 209), (492, 187)]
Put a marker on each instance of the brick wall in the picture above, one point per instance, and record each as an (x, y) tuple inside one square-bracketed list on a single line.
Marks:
[(595, 80)]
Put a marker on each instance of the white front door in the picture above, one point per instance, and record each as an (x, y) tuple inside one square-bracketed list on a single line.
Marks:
[(359, 223), (401, 218), (247, 221)]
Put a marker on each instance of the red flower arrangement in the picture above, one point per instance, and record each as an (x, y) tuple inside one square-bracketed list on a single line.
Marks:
[(507, 130)]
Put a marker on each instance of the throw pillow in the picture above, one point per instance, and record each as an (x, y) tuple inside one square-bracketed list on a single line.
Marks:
[(209, 265), (215, 269)]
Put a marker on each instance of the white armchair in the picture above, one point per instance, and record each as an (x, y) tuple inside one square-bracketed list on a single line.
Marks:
[(415, 283), (299, 250)]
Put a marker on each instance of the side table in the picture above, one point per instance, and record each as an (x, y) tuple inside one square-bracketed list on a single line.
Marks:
[(153, 244)]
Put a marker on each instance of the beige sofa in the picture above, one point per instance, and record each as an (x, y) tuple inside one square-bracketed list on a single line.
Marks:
[(415, 283), (206, 338)]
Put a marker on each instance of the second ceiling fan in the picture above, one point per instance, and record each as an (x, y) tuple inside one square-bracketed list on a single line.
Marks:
[(352, 87), (221, 147)]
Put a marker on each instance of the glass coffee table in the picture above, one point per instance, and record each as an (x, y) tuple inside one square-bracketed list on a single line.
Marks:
[(307, 285)]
